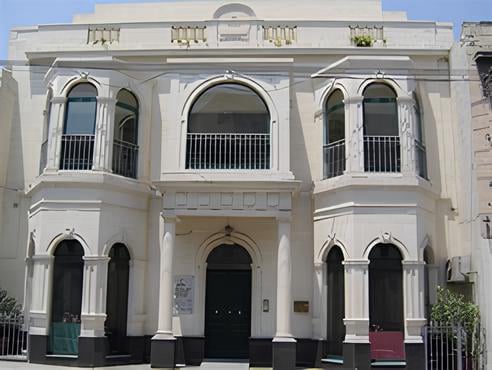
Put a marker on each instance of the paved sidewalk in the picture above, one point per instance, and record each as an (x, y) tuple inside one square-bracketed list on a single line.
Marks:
[(16, 365)]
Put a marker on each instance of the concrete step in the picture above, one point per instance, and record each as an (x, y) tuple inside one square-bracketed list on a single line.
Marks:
[(224, 365)]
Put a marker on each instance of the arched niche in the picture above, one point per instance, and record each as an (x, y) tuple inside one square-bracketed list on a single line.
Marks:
[(66, 303)]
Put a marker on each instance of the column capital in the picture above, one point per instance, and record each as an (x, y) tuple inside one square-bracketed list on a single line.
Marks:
[(59, 100), (405, 99), (410, 264), (353, 99), (43, 257), (95, 259), (169, 217), (106, 100), (284, 218), (355, 262)]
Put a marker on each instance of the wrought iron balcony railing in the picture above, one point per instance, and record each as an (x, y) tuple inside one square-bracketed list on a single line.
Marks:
[(77, 152), (421, 159), (228, 151), (382, 154), (125, 158), (334, 158)]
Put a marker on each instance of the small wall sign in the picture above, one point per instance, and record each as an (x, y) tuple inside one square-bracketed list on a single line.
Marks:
[(301, 306)]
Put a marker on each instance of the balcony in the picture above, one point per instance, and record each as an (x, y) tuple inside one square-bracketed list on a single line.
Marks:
[(224, 151), (421, 159), (382, 154), (334, 155), (125, 159), (77, 152)]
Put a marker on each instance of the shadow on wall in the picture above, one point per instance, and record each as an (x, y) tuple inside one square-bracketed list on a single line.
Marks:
[(13, 205)]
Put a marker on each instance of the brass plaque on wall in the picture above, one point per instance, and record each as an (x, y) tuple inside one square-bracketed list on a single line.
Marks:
[(301, 306)]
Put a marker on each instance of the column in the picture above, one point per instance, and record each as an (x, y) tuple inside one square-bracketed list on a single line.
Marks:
[(103, 147), (92, 341), (136, 310), (55, 126), (284, 345), (356, 349), (164, 343), (40, 307), (354, 134), (414, 308), (406, 116), (319, 301)]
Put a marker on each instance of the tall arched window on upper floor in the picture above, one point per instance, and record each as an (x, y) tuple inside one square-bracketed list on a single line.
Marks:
[(125, 144), (420, 153), (46, 126), (228, 128), (334, 136), (381, 129), (77, 144)]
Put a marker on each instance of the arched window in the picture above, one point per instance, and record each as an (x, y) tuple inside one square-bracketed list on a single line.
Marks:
[(334, 136), (381, 129), (125, 146), (336, 302), (66, 298), (228, 128), (386, 303), (77, 146), (117, 299), (421, 156)]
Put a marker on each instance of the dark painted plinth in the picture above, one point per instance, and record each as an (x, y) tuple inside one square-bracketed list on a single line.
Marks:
[(308, 352), (260, 352), (38, 347), (415, 356), (357, 356), (163, 353), (284, 355), (92, 351), (136, 348), (192, 349)]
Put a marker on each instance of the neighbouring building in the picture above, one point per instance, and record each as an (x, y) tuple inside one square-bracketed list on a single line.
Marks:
[(476, 59), (259, 180)]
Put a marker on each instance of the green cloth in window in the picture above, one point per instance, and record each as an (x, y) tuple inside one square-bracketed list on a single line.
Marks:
[(64, 338)]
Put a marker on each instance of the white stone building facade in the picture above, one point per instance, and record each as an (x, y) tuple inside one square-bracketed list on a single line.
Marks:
[(218, 148)]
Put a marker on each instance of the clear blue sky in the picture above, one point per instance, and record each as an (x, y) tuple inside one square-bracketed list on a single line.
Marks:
[(31, 12)]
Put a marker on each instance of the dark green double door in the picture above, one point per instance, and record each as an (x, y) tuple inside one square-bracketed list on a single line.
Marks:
[(228, 313)]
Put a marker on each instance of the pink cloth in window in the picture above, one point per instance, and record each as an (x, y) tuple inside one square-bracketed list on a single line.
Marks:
[(387, 345)]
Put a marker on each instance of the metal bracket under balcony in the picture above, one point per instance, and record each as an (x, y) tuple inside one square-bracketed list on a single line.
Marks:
[(213, 151)]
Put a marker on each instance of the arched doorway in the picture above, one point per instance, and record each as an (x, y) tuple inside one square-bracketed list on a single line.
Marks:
[(336, 302), (66, 303), (228, 303), (117, 298), (386, 303)]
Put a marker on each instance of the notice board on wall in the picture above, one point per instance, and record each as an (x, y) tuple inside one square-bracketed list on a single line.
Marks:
[(184, 291)]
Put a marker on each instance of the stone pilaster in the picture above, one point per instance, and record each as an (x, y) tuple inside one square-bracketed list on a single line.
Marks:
[(94, 290), (103, 147), (40, 307), (57, 121), (406, 115), (284, 345), (163, 342), (354, 134), (356, 301), (414, 300)]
